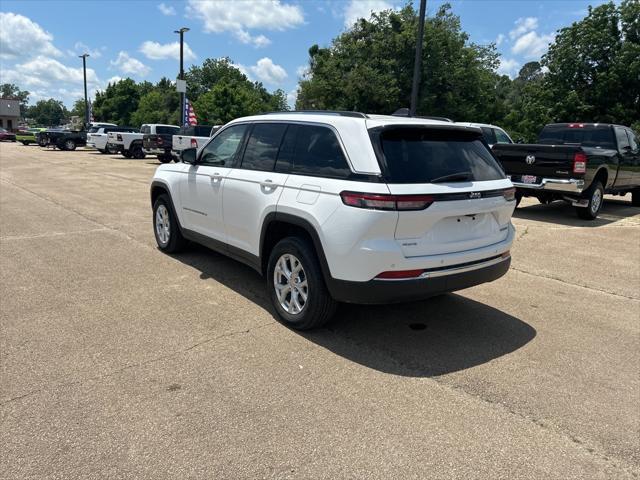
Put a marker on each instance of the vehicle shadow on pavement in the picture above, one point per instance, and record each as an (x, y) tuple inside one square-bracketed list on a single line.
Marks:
[(562, 213), (434, 337)]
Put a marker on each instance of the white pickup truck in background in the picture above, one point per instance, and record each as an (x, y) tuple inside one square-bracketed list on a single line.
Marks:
[(97, 137), (128, 144), (192, 137)]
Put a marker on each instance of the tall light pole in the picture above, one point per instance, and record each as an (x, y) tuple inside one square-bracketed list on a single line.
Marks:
[(86, 101), (417, 64), (181, 76)]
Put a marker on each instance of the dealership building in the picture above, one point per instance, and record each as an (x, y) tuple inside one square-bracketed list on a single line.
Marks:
[(9, 113)]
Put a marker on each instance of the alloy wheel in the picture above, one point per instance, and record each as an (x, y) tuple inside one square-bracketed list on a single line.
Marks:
[(290, 284), (163, 226)]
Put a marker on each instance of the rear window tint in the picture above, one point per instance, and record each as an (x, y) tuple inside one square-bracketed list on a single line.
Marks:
[(196, 131), (318, 153), (587, 136), (420, 155), (167, 130)]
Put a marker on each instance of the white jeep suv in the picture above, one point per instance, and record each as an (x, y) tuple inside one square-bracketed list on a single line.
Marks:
[(342, 207)]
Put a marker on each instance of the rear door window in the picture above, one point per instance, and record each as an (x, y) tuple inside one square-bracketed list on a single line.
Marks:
[(633, 141), (262, 146), (146, 129), (318, 153), (586, 136), (422, 155)]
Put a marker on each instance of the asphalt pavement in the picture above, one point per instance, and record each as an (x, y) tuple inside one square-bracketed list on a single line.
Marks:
[(118, 361)]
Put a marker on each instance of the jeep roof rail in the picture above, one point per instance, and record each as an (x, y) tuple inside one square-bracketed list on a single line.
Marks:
[(341, 113)]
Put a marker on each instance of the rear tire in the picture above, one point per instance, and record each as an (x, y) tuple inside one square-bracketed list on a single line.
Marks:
[(595, 194), (69, 145), (102, 151), (137, 152), (25, 143), (296, 285), (165, 226), (635, 197), (126, 154)]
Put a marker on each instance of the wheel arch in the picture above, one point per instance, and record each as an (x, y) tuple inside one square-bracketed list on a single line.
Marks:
[(277, 226), (602, 174)]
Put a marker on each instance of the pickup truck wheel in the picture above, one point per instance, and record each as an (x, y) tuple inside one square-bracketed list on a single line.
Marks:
[(69, 145), (126, 154), (137, 152), (296, 285), (102, 150), (25, 143), (635, 197), (165, 226), (164, 159), (595, 194)]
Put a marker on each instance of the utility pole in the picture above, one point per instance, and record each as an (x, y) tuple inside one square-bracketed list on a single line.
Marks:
[(86, 100), (181, 76), (417, 64)]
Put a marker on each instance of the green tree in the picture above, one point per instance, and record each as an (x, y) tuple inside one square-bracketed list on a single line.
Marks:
[(594, 67), (48, 112), (370, 66), (156, 107), (9, 90), (117, 103), (78, 109)]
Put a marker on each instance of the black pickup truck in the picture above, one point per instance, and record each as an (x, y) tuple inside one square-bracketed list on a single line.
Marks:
[(62, 139), (575, 162)]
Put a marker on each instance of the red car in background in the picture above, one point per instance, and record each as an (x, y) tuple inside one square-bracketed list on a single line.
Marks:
[(6, 135)]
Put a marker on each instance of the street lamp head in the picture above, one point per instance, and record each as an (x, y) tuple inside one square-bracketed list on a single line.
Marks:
[(182, 30), (84, 55)]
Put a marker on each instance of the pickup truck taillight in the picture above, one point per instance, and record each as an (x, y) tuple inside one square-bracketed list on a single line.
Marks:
[(376, 201), (579, 163), (119, 137), (194, 143), (159, 140)]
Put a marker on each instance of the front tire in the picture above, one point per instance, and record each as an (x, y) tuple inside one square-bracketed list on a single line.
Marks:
[(25, 143), (126, 154), (165, 226), (69, 145), (595, 194), (296, 285), (137, 152)]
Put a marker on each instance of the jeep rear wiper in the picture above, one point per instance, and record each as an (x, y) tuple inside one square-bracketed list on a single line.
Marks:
[(452, 177)]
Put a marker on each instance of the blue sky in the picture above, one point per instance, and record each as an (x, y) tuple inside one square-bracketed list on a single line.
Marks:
[(268, 39)]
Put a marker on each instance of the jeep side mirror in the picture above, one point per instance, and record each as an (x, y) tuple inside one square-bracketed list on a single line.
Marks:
[(189, 155)]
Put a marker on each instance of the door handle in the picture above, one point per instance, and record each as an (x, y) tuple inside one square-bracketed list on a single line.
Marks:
[(215, 177), (268, 184)]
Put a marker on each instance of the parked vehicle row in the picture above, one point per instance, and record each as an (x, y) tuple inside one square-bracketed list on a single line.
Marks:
[(97, 137), (342, 207), (7, 136)]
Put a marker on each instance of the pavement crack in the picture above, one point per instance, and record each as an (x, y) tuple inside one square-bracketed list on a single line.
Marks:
[(557, 279), (131, 366)]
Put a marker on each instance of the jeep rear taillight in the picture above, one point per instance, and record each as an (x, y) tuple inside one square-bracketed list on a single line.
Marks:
[(376, 201), (400, 274), (579, 163), (194, 143)]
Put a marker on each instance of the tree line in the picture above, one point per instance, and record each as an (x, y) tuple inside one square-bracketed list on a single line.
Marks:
[(591, 73)]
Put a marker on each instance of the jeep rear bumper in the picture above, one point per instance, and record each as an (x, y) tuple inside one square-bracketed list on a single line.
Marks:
[(434, 282)]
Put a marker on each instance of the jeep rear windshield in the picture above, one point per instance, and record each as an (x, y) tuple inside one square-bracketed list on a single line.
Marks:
[(578, 134), (423, 155)]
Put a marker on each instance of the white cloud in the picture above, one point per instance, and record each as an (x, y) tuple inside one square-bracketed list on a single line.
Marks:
[(499, 39), (46, 77), (158, 51), (21, 37), (79, 48), (114, 79), (508, 66), (357, 9), (167, 9), (531, 45), (523, 25), (241, 16), (292, 96), (129, 65), (266, 71)]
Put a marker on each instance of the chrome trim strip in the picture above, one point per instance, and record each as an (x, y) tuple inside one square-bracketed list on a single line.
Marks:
[(564, 185)]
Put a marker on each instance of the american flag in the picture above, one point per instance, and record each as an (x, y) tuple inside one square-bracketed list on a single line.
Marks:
[(189, 117)]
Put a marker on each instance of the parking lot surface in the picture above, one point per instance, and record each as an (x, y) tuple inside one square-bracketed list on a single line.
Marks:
[(118, 361)]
